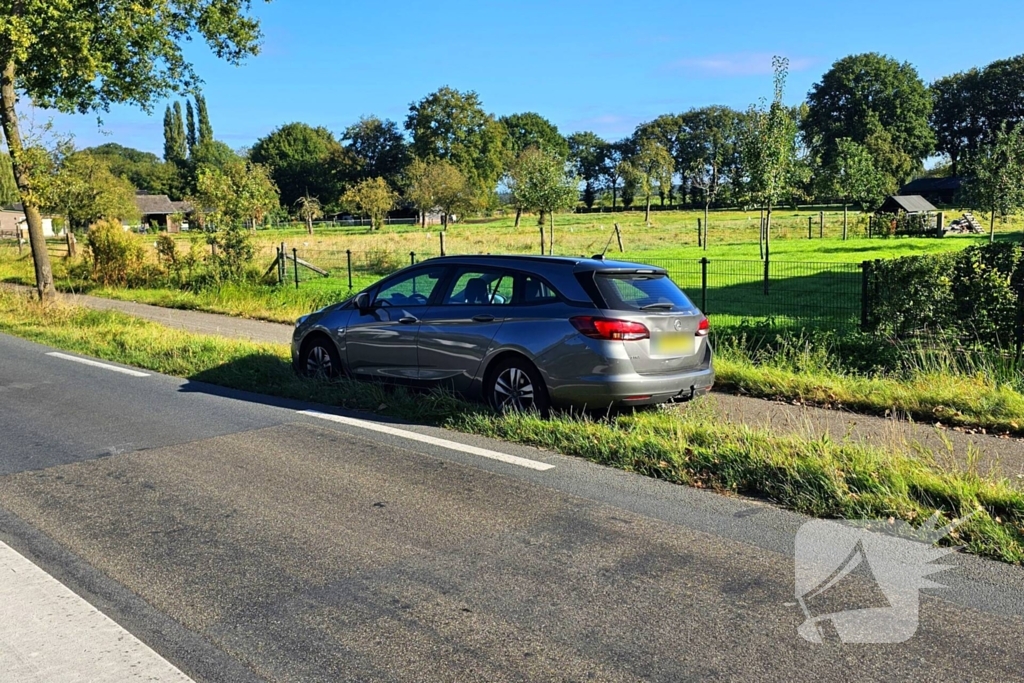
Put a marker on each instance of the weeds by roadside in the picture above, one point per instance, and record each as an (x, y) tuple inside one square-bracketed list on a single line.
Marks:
[(818, 477)]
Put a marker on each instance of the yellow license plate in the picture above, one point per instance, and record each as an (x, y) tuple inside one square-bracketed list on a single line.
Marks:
[(672, 344)]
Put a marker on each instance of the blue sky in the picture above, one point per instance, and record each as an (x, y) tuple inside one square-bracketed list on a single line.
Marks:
[(599, 65)]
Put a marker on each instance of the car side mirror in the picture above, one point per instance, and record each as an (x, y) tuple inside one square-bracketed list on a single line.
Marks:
[(362, 302)]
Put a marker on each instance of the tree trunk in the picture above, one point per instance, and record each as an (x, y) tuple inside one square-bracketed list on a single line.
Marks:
[(542, 218), (614, 193), (991, 228), (706, 207), (551, 233), (760, 234), (9, 121), (519, 214), (846, 221), (647, 212), (309, 224), (444, 221)]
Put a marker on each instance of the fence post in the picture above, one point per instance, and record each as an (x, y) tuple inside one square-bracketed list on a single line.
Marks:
[(412, 258), (704, 285), (348, 263), (865, 306), (870, 220), (821, 224), (618, 236), (17, 236), (295, 261), (441, 235), (810, 227)]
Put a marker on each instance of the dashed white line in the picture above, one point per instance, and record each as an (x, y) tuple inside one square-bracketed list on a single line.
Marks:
[(97, 364), (49, 633), (434, 441)]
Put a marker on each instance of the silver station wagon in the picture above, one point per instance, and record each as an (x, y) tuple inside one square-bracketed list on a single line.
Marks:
[(521, 332)]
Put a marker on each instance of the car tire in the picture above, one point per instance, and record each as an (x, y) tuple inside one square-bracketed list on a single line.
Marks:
[(515, 385), (319, 358)]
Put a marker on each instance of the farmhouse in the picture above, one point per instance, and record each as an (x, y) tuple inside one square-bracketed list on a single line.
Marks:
[(13, 216), (159, 210)]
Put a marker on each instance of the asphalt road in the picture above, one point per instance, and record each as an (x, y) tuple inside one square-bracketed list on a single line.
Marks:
[(243, 539)]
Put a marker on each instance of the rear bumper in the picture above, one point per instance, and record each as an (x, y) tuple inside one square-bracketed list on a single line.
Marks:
[(602, 391)]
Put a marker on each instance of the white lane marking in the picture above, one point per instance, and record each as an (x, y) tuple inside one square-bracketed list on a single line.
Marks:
[(97, 364), (434, 441), (48, 633)]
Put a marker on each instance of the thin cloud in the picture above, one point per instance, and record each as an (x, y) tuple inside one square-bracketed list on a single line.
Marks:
[(736, 64)]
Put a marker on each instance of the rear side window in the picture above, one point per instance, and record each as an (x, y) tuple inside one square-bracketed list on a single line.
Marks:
[(536, 291), (636, 292)]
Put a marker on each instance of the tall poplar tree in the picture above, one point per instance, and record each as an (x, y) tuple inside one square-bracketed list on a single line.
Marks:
[(190, 116), (205, 129)]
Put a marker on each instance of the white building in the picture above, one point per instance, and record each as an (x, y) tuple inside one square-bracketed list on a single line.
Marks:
[(12, 217)]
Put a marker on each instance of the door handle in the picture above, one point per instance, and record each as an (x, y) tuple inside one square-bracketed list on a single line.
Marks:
[(484, 318), (408, 320)]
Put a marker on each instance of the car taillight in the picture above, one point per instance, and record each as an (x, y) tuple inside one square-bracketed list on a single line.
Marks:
[(610, 329), (703, 327)]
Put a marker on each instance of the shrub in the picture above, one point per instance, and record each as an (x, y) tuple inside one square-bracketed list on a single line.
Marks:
[(383, 262), (976, 294), (234, 252), (116, 254)]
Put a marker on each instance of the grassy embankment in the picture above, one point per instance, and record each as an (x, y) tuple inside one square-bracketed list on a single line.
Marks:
[(822, 477)]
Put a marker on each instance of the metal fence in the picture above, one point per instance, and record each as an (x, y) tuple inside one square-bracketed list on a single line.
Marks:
[(777, 293)]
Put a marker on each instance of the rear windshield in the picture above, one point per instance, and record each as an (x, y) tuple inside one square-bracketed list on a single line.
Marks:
[(632, 292)]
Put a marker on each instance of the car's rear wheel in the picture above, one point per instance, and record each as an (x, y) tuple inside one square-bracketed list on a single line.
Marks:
[(319, 358), (515, 385)]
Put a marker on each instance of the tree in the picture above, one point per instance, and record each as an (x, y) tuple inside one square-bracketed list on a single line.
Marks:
[(304, 160), (996, 175), (437, 185), (852, 176), (373, 197), (611, 167), (240, 191), (957, 119), (175, 146), (205, 134), (874, 101), (85, 190), (769, 144), (144, 170), (541, 182), (86, 56), (533, 130), (309, 209), (379, 149), (969, 108), (190, 121), (652, 166), (449, 125), (708, 147), (669, 132), (585, 151)]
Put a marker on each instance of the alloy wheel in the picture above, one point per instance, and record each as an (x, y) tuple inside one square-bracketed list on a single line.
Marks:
[(318, 363), (514, 390)]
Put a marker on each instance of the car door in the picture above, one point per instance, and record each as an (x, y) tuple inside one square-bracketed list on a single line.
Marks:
[(381, 342), (456, 333)]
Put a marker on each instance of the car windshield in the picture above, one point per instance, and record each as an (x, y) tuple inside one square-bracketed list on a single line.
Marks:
[(632, 291)]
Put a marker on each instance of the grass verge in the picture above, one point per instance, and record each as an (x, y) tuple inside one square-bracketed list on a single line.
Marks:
[(692, 447)]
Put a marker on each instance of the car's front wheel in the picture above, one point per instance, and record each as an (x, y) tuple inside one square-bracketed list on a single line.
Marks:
[(515, 385), (319, 358)]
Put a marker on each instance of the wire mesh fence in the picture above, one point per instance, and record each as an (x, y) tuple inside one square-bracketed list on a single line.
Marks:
[(776, 293)]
